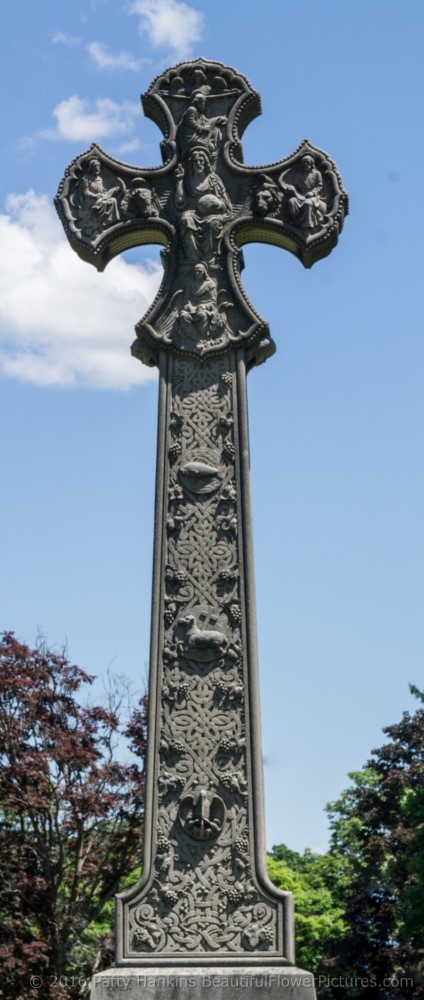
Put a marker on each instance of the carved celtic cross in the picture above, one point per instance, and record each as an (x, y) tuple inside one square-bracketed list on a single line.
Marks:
[(204, 897)]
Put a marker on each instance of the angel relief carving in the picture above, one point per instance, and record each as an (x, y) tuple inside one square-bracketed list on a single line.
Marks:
[(202, 317), (200, 312), (196, 317)]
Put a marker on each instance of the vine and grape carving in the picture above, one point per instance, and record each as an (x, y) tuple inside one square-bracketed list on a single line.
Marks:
[(204, 896)]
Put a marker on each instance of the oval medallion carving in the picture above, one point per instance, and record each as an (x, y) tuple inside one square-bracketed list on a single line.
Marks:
[(202, 815)]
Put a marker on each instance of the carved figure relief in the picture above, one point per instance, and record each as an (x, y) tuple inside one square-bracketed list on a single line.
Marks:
[(197, 320), (97, 206), (301, 195), (268, 198), (99, 199), (141, 201), (203, 204), (196, 129), (203, 317), (200, 311), (306, 204)]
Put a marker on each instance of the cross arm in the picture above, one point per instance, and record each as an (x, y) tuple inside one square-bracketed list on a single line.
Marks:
[(202, 205), (107, 206), (297, 204)]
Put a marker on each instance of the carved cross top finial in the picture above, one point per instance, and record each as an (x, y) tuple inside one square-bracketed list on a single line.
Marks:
[(202, 205)]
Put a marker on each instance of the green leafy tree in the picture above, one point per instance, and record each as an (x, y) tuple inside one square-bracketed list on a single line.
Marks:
[(317, 882), (70, 823)]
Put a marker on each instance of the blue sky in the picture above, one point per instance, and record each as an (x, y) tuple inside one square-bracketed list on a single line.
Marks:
[(336, 416)]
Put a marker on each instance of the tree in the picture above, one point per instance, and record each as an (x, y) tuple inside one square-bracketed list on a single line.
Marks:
[(317, 882), (360, 907), (70, 822), (378, 826)]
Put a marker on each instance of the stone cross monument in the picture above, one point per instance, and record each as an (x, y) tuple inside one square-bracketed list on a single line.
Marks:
[(204, 911)]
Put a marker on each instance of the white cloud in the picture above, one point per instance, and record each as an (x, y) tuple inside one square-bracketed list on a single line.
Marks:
[(132, 146), (104, 59), (62, 323), (76, 122), (169, 23), (60, 38)]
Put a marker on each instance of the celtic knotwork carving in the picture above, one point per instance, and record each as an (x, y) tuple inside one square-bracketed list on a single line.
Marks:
[(204, 895), (148, 935)]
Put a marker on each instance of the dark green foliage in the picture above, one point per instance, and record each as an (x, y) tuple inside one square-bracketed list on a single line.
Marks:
[(377, 825), (360, 907)]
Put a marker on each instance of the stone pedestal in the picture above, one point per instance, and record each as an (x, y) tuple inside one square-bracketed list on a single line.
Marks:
[(204, 983)]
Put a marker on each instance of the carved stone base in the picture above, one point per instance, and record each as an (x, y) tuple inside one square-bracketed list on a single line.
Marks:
[(204, 983)]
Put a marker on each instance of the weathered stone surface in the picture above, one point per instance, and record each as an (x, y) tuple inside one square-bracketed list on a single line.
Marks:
[(204, 901), (205, 891), (280, 983), (203, 204)]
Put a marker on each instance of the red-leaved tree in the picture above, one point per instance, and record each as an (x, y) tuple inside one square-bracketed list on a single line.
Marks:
[(70, 822)]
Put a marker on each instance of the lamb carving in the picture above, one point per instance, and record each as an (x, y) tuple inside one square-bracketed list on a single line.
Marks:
[(200, 645)]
